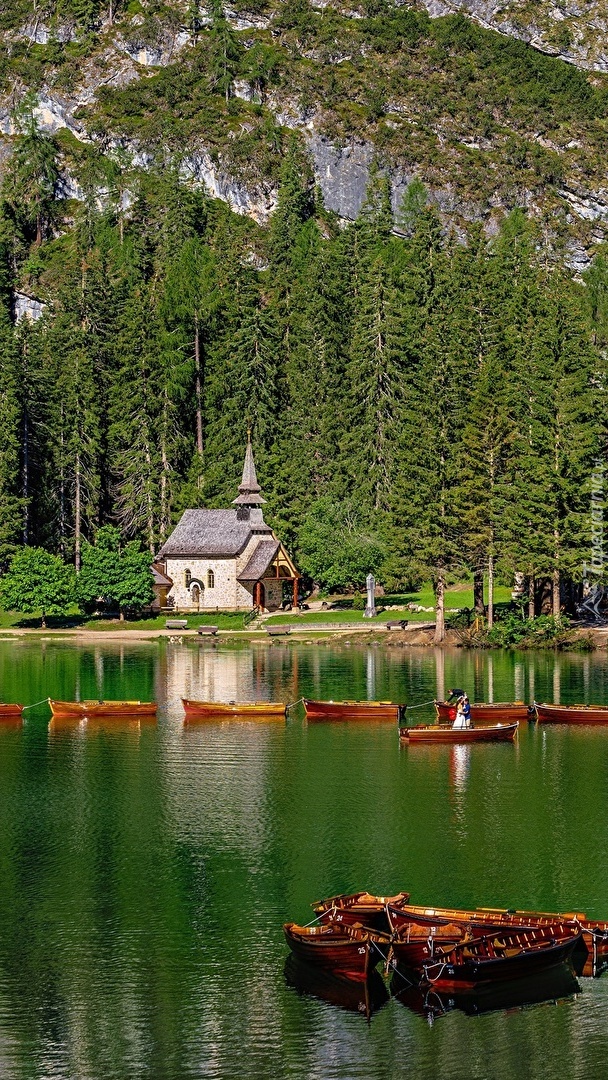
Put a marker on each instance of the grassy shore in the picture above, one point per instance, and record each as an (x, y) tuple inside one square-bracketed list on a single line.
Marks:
[(337, 612)]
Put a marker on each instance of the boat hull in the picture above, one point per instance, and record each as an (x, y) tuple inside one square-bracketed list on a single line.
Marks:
[(10, 712), (120, 709), (352, 710), (458, 972), (572, 714), (592, 962), (347, 952), (445, 733), (245, 710), (358, 908), (481, 712)]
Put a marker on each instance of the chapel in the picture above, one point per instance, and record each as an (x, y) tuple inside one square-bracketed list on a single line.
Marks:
[(228, 560)]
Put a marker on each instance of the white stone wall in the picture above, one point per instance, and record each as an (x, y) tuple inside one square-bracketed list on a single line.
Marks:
[(226, 594)]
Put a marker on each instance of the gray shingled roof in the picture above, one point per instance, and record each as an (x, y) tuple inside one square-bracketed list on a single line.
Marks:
[(208, 533), (160, 578), (260, 560)]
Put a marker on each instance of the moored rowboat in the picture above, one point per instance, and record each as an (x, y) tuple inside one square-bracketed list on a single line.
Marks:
[(349, 952), (417, 942), (353, 710), (571, 714), (594, 931), (250, 710), (445, 733), (10, 712), (505, 712), (361, 907), (490, 959), (102, 708)]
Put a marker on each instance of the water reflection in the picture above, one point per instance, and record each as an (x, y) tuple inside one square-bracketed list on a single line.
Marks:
[(365, 998), (147, 871), (550, 986)]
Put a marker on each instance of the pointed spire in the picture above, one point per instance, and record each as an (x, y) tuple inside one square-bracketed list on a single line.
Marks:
[(249, 489)]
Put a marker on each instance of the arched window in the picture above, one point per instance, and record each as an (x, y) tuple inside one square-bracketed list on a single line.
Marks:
[(187, 578), (210, 579)]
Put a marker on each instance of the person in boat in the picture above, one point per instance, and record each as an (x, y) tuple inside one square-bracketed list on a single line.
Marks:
[(463, 713), (454, 695)]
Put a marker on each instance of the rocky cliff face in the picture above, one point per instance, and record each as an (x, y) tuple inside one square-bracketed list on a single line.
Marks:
[(576, 32), (414, 93)]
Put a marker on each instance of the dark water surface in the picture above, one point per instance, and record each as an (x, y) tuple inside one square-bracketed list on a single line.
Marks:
[(145, 871)]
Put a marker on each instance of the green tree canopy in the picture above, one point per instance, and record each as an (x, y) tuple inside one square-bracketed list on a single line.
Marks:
[(37, 581), (336, 550), (117, 574)]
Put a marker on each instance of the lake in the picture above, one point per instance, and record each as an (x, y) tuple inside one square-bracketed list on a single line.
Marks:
[(146, 869)]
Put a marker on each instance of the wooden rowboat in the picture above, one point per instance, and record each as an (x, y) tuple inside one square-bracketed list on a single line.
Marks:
[(445, 733), (247, 710), (505, 712), (594, 931), (511, 955), (349, 952), (353, 710), (10, 712), (571, 714), (102, 708), (417, 943), (357, 908)]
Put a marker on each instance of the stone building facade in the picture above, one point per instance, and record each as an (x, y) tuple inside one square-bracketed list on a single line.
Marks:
[(228, 560)]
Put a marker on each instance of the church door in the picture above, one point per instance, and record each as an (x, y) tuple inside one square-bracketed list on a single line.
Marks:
[(259, 595), (195, 597)]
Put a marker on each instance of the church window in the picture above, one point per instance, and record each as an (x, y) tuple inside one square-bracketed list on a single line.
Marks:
[(187, 578), (210, 579)]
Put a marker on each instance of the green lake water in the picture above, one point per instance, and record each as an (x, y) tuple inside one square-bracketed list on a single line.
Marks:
[(146, 871)]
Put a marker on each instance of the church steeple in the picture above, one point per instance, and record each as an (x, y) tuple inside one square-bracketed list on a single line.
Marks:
[(249, 490)]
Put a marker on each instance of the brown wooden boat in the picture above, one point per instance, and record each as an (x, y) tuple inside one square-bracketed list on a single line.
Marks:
[(571, 714), (246, 710), (417, 943), (358, 908), (10, 712), (349, 952), (504, 712), (353, 710), (594, 931), (445, 733), (510, 955), (102, 708)]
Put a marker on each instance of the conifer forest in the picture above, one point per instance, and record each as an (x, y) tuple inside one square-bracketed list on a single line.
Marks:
[(427, 396)]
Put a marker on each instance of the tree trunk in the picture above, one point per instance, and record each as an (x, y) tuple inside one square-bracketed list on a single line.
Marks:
[(555, 594), (490, 591), (531, 597), (439, 609), (25, 451), (478, 591), (198, 391), (77, 516)]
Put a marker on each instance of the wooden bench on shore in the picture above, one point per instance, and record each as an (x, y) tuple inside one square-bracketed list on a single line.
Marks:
[(176, 624), (396, 624), (207, 629), (274, 631)]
